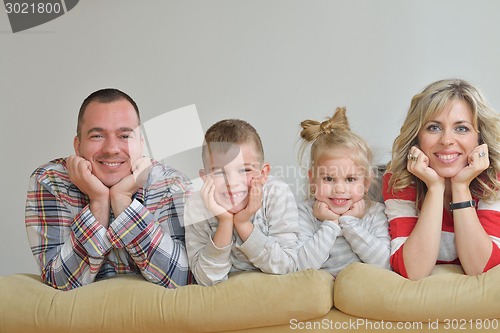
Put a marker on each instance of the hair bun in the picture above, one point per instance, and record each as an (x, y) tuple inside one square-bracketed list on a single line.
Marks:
[(311, 129)]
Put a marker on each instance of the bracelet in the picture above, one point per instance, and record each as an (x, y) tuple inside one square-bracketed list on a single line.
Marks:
[(465, 204)]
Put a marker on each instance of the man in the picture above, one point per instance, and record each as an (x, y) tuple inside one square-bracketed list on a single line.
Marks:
[(107, 210)]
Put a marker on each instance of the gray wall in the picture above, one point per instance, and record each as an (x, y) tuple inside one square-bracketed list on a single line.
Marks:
[(272, 63)]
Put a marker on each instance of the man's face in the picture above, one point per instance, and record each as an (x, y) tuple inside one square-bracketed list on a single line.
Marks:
[(110, 140)]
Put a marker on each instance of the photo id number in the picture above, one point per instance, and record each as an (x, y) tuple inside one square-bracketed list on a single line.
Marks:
[(39, 8)]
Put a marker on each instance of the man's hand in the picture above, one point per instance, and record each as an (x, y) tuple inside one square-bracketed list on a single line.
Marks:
[(322, 212), (121, 193), (357, 209), (80, 174)]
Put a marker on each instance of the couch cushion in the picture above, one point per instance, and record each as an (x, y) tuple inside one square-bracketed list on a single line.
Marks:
[(128, 303), (371, 292)]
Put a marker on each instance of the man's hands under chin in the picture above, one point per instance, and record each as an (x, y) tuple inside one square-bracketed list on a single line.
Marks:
[(121, 193), (119, 196), (80, 174)]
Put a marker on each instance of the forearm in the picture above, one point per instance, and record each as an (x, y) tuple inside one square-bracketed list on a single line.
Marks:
[(119, 202), (224, 234), (314, 249), (474, 246), (244, 229), (421, 249), (100, 209), (372, 248), (69, 252), (275, 254), (161, 257), (210, 265)]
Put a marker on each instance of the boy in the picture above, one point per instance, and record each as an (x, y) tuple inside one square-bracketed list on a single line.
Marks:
[(241, 219)]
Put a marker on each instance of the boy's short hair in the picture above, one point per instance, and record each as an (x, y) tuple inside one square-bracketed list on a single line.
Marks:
[(231, 131)]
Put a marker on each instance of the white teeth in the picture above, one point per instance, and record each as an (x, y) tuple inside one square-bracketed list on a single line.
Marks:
[(447, 157), (234, 195), (111, 164)]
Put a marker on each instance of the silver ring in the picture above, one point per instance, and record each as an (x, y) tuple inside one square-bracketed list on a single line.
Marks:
[(481, 154), (414, 158), (409, 156)]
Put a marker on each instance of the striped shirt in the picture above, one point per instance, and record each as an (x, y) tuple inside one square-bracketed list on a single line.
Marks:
[(331, 247), (271, 247), (400, 209), (73, 249)]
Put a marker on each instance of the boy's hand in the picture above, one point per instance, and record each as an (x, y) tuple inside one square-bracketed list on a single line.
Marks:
[(322, 212), (208, 194), (357, 209), (242, 219), (254, 202)]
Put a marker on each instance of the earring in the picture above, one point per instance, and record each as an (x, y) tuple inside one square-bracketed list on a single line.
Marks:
[(313, 191)]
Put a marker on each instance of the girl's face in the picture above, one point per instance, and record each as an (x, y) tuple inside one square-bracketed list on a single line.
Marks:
[(449, 138), (338, 182)]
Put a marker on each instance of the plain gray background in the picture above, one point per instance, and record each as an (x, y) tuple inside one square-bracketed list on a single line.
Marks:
[(272, 63)]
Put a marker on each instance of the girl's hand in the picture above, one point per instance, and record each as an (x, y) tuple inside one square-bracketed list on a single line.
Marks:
[(478, 162), (418, 165), (357, 209), (322, 212)]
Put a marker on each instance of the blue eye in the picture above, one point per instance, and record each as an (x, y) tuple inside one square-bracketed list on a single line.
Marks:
[(433, 128), (462, 129)]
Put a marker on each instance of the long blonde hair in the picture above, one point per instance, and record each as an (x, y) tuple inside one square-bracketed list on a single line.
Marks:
[(427, 105), (335, 133)]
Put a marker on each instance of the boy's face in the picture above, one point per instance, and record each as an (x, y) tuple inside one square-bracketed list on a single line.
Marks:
[(232, 172)]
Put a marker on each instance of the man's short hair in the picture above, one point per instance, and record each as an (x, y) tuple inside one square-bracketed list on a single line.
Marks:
[(107, 95), (231, 131)]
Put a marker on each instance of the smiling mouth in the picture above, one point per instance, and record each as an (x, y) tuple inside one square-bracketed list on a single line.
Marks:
[(233, 195), (112, 164), (339, 202), (447, 157)]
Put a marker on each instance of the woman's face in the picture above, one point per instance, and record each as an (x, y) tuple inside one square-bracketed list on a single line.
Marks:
[(449, 138)]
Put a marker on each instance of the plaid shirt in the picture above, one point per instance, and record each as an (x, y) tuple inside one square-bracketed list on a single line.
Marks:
[(73, 249)]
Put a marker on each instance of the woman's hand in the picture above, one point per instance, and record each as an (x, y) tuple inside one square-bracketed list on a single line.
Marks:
[(418, 165), (478, 161)]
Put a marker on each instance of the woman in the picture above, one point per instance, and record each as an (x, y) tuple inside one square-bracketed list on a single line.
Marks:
[(441, 186)]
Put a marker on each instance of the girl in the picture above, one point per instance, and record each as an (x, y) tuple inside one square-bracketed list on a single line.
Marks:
[(340, 225)]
